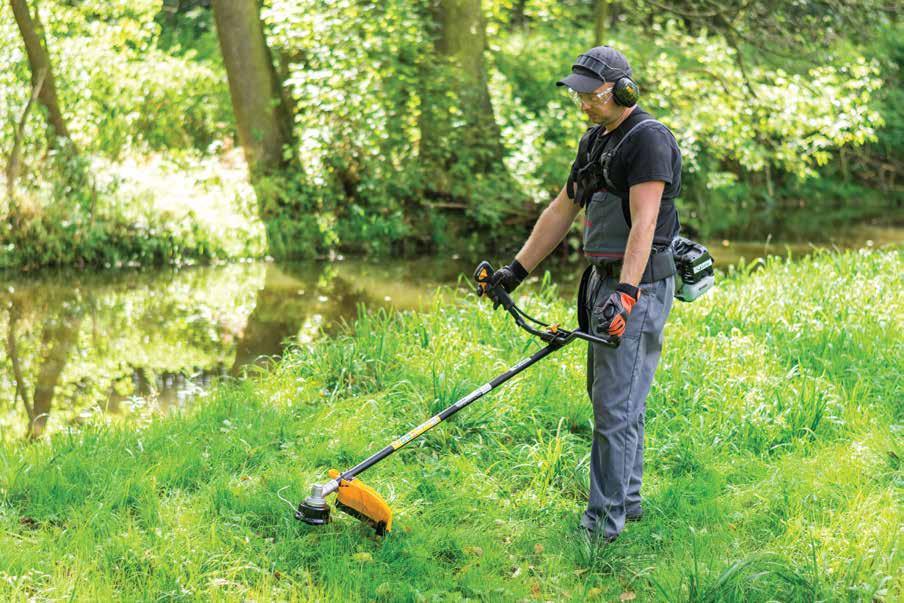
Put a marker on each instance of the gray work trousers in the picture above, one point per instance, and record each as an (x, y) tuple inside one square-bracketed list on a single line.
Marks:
[(618, 381)]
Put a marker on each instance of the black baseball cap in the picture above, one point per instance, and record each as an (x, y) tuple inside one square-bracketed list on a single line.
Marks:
[(595, 67)]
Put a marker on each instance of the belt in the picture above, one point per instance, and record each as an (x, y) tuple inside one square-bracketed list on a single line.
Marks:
[(660, 265)]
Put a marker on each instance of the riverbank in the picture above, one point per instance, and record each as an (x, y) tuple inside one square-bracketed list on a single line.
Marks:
[(141, 211), (153, 211), (773, 463), (120, 340)]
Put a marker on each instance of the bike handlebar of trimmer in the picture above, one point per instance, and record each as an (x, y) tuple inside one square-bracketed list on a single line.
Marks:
[(501, 297)]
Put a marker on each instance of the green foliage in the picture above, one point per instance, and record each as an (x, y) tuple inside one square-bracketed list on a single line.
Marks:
[(753, 144), (363, 79), (109, 240), (352, 75), (540, 124), (890, 51), (857, 184), (796, 32), (112, 223), (744, 152), (123, 95), (127, 86), (792, 123), (773, 144), (772, 468)]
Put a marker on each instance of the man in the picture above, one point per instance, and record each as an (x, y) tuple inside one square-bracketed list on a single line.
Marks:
[(626, 177)]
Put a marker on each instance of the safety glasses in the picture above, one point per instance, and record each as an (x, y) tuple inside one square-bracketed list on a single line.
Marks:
[(591, 98)]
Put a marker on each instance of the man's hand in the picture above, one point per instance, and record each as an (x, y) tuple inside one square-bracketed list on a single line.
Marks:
[(509, 276), (611, 317)]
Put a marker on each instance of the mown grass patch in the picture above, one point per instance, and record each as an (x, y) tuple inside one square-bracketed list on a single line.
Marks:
[(773, 463)]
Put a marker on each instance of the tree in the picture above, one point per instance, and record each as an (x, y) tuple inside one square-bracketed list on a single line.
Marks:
[(601, 20), (261, 112), (15, 155), (41, 70), (460, 43), (783, 30)]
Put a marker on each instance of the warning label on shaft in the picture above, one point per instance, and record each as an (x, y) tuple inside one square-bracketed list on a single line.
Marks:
[(415, 432), (473, 395)]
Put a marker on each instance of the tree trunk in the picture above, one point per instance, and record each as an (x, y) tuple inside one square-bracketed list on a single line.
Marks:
[(15, 156), (270, 322), (12, 350), (461, 41), (261, 114), (600, 21), (39, 61), (519, 19)]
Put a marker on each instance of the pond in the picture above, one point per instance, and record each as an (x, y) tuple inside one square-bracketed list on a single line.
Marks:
[(120, 342)]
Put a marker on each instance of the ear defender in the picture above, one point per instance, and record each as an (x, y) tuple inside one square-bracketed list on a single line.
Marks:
[(626, 92)]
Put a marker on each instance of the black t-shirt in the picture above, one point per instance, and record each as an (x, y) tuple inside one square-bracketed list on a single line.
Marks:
[(650, 153)]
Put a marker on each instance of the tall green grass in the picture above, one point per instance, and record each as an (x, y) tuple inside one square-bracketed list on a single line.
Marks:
[(773, 466)]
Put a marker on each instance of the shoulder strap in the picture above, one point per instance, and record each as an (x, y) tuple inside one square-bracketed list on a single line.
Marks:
[(581, 161), (607, 160), (585, 148)]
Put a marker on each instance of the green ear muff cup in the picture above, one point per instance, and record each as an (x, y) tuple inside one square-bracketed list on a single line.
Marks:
[(626, 92)]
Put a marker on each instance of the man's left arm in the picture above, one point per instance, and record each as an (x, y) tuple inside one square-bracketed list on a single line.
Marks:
[(644, 200)]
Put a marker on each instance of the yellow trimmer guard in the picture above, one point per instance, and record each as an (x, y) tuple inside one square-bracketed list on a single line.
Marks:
[(361, 501)]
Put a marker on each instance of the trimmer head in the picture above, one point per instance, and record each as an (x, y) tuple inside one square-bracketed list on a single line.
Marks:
[(314, 510), (353, 497)]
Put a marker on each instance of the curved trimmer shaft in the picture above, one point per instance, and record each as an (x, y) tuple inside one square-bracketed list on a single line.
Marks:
[(366, 504)]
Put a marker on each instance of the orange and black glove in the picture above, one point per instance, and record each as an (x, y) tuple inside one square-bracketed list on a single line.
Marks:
[(611, 317)]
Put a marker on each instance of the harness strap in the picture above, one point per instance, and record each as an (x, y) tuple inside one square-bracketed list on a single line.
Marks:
[(606, 159)]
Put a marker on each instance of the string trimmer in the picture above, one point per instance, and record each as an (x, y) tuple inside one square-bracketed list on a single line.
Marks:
[(364, 503)]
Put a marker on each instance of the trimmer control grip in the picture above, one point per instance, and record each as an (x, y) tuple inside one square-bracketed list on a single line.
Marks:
[(483, 275)]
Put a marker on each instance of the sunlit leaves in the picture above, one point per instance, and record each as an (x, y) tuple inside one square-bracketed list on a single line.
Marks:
[(792, 122)]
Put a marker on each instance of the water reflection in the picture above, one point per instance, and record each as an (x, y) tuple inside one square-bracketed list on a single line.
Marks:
[(77, 343), (37, 363)]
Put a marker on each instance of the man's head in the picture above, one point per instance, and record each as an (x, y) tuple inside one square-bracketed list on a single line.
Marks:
[(601, 82)]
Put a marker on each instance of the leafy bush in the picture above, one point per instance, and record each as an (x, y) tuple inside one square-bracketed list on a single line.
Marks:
[(123, 92), (782, 147), (363, 79), (112, 237), (126, 89)]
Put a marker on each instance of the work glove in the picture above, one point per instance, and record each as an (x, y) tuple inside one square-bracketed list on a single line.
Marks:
[(611, 317), (509, 276)]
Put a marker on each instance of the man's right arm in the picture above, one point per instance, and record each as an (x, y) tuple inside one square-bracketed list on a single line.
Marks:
[(551, 227)]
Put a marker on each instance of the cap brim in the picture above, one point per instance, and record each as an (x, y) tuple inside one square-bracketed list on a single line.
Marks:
[(580, 83)]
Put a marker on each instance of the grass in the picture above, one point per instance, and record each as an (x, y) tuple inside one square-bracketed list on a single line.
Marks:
[(773, 464)]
